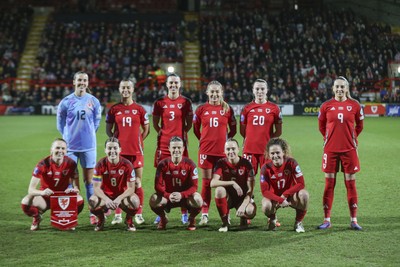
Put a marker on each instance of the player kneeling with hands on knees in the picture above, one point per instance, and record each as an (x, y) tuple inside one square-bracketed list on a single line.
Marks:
[(176, 183), (282, 184), (114, 186), (56, 172), (233, 180)]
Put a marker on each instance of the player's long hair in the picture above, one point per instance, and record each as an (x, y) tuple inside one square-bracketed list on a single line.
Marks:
[(342, 78), (88, 90), (224, 105), (279, 142)]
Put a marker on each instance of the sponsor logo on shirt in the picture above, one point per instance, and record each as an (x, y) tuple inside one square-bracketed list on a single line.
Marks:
[(213, 112), (280, 174), (333, 108), (340, 108), (273, 176), (252, 110), (119, 113), (57, 173), (206, 113), (172, 106), (126, 111), (165, 106), (259, 110), (168, 173), (50, 173), (175, 172), (113, 172)]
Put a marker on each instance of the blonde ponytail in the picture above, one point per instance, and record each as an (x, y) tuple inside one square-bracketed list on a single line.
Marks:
[(224, 105)]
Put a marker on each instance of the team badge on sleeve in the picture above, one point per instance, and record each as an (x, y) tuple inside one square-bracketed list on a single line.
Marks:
[(298, 172), (195, 173)]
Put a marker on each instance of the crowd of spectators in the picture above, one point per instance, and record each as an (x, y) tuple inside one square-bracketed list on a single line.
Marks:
[(106, 51), (14, 27), (298, 52)]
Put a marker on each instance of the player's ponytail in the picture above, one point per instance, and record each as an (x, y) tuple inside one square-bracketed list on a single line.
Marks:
[(347, 92), (225, 106)]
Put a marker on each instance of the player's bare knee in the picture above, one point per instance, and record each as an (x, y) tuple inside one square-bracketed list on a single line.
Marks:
[(220, 192), (266, 206), (94, 202), (134, 202), (195, 201), (154, 200), (250, 211)]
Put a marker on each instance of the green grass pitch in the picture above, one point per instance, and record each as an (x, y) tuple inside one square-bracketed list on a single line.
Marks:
[(26, 140)]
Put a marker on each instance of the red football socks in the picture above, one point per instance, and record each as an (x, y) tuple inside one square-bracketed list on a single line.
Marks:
[(222, 206), (328, 196), (352, 197), (206, 194), (140, 193), (31, 211)]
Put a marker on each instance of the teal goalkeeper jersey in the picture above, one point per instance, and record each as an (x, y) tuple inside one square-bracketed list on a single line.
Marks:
[(78, 119)]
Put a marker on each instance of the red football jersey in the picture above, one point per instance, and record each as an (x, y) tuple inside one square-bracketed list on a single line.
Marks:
[(173, 113), (214, 122), (259, 120), (114, 178), (52, 176), (284, 180), (176, 178), (340, 123), (240, 172), (128, 121)]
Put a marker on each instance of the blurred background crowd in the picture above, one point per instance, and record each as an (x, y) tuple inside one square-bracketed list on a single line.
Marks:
[(298, 51)]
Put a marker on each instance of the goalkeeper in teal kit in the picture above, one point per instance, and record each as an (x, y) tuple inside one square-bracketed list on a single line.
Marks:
[(78, 118)]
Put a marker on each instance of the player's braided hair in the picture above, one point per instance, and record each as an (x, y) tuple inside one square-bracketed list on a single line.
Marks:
[(232, 140), (175, 139), (224, 105), (112, 139), (279, 142)]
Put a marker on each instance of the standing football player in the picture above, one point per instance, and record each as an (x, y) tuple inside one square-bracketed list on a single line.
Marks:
[(172, 116), (78, 118), (213, 123), (129, 122), (340, 123)]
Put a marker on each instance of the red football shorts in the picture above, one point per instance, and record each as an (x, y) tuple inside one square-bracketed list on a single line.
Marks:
[(137, 161), (256, 160), (348, 161), (207, 161)]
